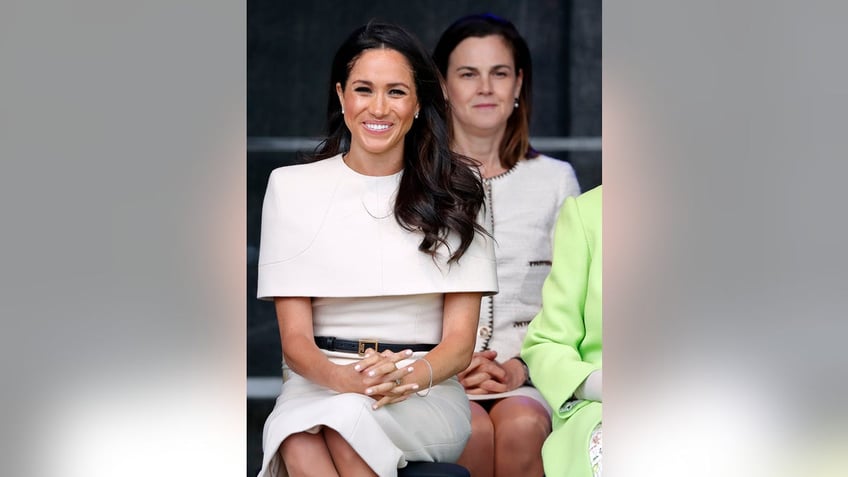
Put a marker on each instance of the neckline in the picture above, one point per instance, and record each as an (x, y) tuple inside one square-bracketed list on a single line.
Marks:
[(506, 172), (353, 171)]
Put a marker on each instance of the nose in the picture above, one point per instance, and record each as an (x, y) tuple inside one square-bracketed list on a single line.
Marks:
[(378, 106), (485, 85)]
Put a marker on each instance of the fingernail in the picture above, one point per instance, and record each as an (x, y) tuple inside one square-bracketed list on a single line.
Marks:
[(408, 352), (410, 369), (369, 391), (371, 373), (374, 407), (415, 386), (357, 367)]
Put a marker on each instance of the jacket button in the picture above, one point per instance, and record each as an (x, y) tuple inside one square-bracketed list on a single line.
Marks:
[(484, 331)]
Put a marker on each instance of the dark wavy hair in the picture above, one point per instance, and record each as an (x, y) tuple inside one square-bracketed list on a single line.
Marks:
[(440, 191), (516, 140)]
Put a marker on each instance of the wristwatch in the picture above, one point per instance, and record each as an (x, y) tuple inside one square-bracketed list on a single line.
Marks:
[(527, 382)]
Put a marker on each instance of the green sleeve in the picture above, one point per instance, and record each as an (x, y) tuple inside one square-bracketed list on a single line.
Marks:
[(563, 342)]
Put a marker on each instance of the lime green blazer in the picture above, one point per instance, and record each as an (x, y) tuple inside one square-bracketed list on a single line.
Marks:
[(563, 342)]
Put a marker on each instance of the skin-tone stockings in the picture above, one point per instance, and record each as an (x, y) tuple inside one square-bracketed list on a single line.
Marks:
[(508, 440), (325, 453)]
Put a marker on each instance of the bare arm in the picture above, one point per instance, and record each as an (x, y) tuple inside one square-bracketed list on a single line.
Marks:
[(294, 316), (459, 327), (452, 355)]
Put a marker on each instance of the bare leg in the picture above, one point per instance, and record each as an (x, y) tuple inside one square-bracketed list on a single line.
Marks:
[(345, 458), (307, 454), (479, 453), (521, 426)]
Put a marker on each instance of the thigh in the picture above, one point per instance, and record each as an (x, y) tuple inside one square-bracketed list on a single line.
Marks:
[(303, 453), (480, 419), (432, 428), (346, 460)]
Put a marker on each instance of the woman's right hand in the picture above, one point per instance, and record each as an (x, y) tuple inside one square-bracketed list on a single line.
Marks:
[(378, 367), (377, 376), (484, 375)]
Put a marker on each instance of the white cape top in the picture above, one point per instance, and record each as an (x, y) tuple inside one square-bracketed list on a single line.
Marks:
[(328, 231)]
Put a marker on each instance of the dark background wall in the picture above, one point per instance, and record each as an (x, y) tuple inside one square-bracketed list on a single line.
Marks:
[(289, 49)]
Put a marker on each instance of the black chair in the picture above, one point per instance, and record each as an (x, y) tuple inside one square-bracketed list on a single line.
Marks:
[(433, 469)]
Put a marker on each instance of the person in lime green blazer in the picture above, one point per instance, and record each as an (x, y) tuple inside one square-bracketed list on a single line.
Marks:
[(562, 347)]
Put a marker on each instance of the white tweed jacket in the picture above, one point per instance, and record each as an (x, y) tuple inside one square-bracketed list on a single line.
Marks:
[(522, 206)]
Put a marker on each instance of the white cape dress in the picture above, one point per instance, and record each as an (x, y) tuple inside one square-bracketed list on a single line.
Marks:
[(329, 233)]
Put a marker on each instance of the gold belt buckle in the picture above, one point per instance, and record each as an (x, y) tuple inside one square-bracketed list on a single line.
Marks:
[(363, 344)]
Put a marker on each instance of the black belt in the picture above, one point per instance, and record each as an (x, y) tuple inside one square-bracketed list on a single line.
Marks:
[(331, 343)]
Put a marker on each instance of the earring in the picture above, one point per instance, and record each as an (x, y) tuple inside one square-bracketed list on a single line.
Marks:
[(515, 104), (416, 114), (343, 111)]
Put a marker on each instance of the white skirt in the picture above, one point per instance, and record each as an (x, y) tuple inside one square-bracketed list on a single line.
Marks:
[(434, 428)]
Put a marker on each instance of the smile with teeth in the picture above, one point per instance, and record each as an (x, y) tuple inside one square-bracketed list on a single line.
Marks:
[(377, 127)]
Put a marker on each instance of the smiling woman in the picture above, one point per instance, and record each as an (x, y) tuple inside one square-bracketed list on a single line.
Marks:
[(376, 264), (379, 104)]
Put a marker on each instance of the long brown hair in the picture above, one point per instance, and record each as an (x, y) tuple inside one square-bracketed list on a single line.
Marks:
[(440, 191)]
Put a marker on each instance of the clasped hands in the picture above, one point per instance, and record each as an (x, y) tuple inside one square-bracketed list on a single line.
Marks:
[(486, 376), (382, 378)]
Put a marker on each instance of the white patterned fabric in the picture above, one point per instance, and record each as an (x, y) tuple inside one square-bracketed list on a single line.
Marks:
[(596, 450), (522, 206)]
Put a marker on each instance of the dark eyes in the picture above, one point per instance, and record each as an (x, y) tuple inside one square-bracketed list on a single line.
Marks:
[(392, 92), (496, 74)]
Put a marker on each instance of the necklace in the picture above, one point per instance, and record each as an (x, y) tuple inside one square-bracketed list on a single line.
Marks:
[(378, 199), (375, 216)]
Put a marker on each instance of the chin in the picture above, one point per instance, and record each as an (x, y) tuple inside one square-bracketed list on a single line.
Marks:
[(486, 125), (378, 149)]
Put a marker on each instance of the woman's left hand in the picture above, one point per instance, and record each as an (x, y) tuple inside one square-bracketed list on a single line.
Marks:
[(397, 393), (493, 377), (383, 377)]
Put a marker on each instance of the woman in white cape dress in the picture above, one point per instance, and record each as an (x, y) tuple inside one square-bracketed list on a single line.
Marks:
[(376, 264)]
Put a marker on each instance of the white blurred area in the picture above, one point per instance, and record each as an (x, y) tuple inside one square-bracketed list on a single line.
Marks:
[(724, 256), (691, 422), (695, 432), (143, 426), (719, 417)]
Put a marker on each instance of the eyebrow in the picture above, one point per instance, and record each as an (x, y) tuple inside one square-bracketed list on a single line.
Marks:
[(371, 83), (472, 68)]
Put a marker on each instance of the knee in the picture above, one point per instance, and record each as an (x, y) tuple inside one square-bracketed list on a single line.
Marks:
[(482, 428), (295, 452), (525, 425)]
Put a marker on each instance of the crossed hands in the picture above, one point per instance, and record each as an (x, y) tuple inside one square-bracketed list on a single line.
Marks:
[(382, 377), (486, 376)]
